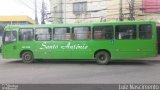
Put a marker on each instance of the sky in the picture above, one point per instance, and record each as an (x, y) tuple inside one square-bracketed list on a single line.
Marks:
[(21, 7)]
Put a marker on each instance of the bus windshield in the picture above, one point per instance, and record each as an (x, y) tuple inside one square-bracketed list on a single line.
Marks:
[(9, 37)]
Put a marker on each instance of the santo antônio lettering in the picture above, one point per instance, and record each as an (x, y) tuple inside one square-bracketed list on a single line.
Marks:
[(67, 46)]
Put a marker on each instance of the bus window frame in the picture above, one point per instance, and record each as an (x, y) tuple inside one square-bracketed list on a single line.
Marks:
[(90, 37), (27, 40), (53, 31), (43, 28), (113, 31), (139, 32), (126, 25)]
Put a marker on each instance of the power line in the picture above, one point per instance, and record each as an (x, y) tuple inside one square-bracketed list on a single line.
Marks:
[(87, 2), (21, 1), (28, 6), (30, 2), (83, 11), (39, 3), (76, 18)]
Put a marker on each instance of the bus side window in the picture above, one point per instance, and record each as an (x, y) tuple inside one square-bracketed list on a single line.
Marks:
[(43, 34), (125, 32), (145, 31), (81, 33), (103, 32), (61, 33), (26, 34)]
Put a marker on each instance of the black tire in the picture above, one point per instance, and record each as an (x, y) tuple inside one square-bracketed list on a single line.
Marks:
[(27, 57), (102, 58)]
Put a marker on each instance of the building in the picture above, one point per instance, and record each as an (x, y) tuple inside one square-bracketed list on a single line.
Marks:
[(147, 10), (56, 11), (12, 20), (77, 11)]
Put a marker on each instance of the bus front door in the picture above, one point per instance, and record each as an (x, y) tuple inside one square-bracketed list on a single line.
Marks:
[(9, 49)]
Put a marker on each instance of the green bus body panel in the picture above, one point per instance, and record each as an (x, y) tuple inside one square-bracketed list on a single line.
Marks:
[(82, 49)]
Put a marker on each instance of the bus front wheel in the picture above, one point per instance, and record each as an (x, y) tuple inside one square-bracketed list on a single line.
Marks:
[(102, 58), (27, 57)]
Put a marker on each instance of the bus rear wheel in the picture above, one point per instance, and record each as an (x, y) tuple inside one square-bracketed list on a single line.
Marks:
[(27, 57), (102, 58)]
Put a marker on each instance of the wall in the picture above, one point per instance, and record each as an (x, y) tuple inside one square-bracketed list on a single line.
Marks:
[(99, 10)]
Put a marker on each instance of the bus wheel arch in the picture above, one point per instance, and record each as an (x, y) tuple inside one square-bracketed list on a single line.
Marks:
[(102, 56), (27, 56)]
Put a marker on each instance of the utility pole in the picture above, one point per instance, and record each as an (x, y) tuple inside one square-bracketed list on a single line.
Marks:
[(36, 19), (65, 11), (43, 12), (120, 11), (131, 9), (61, 11)]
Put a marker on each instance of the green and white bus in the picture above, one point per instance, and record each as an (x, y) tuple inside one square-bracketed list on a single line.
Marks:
[(102, 42)]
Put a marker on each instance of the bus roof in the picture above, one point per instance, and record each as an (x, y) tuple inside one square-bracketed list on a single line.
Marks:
[(78, 24)]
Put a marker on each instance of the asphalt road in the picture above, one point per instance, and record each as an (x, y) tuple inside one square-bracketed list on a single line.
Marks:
[(69, 72)]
